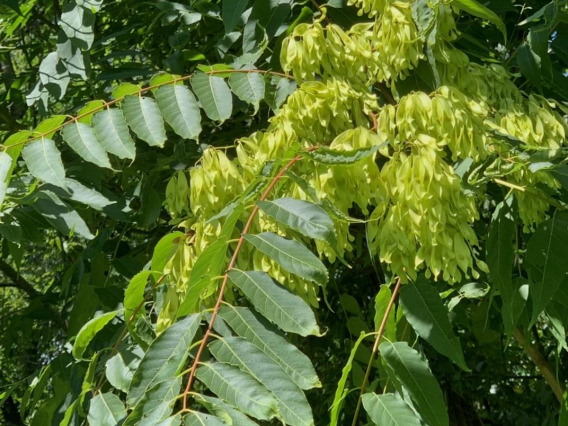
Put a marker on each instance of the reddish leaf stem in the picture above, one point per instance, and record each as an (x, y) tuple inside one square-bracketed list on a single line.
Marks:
[(376, 348), (226, 276)]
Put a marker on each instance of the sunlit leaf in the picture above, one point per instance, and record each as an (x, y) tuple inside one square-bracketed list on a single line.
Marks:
[(111, 129), (84, 142), (291, 255), (164, 358), (302, 216), (44, 161), (292, 402), (256, 330), (276, 302), (239, 389), (214, 94), (407, 367), (180, 110), (106, 409), (389, 410), (144, 118)]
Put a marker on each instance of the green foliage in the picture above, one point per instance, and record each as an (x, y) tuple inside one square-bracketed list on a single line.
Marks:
[(164, 266)]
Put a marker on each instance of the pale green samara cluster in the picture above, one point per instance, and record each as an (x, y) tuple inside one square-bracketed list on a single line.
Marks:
[(419, 215)]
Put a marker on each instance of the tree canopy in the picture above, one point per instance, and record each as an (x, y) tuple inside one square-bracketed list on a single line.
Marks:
[(283, 212)]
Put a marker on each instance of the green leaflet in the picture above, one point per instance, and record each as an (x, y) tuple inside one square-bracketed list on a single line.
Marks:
[(164, 358), (302, 216), (427, 314), (106, 409), (44, 161), (134, 294), (214, 94), (157, 403), (60, 215), (239, 389), (231, 13), (85, 114), (164, 250), (406, 366), (170, 421), (545, 261), (292, 403), (278, 304), (82, 139), (500, 256), (249, 87), (180, 110), (224, 411), (5, 166), (341, 392), (209, 264), (49, 126), (85, 195), (111, 129), (195, 418), (483, 12), (291, 255), (256, 330), (389, 410), (120, 368), (325, 155), (89, 331), (144, 118)]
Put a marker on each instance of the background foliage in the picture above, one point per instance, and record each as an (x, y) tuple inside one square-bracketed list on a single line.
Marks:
[(76, 238)]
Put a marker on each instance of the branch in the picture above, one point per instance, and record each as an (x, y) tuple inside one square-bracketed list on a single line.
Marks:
[(541, 363), (17, 280)]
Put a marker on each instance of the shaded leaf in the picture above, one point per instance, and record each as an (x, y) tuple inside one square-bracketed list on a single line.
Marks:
[(231, 13), (89, 331), (382, 300), (427, 314), (341, 392), (276, 302), (407, 367), (5, 166), (545, 261), (477, 9), (156, 404), (60, 215), (291, 255)]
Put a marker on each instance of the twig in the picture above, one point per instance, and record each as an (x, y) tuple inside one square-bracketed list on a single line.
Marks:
[(141, 91), (376, 348), (226, 277), (541, 363)]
